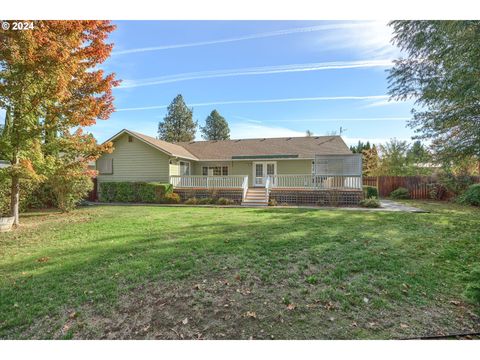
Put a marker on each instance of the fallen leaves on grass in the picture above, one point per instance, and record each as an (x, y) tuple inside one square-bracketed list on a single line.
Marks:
[(73, 315), (329, 306), (250, 314), (291, 306), (43, 259), (185, 321)]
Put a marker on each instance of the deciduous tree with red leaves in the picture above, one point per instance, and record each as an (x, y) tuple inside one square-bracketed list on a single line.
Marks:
[(51, 87)]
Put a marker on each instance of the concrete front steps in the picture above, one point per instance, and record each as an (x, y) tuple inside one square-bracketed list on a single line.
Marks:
[(256, 197)]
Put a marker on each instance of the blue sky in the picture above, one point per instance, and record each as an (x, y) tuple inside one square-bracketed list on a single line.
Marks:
[(267, 78)]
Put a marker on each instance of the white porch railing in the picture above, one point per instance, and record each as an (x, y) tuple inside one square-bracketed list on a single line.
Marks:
[(209, 182), (309, 181)]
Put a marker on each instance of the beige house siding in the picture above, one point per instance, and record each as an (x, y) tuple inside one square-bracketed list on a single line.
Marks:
[(136, 161), (294, 167), (174, 167), (246, 167)]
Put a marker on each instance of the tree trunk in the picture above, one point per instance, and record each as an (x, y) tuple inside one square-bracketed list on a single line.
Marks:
[(15, 199)]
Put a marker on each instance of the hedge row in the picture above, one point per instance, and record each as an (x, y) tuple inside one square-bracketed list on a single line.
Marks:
[(142, 192), (370, 192)]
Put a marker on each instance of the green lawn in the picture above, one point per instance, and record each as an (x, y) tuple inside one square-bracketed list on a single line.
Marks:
[(172, 272)]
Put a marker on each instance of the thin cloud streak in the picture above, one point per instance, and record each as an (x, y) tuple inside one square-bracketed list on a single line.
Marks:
[(276, 69), (308, 29), (338, 119), (262, 101)]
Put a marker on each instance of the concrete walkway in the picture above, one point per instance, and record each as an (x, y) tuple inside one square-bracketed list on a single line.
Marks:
[(395, 206)]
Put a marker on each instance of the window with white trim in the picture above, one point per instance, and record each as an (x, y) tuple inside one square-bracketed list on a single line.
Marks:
[(215, 170)]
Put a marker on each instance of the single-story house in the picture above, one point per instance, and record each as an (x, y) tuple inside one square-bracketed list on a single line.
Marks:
[(308, 170)]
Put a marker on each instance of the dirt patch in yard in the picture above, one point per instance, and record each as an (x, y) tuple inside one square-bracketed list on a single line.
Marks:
[(229, 308)]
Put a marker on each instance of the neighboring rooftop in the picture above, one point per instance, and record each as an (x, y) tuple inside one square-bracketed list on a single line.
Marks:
[(282, 148)]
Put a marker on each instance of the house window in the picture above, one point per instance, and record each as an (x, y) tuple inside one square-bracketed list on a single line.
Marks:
[(215, 170), (184, 168), (105, 166), (130, 138)]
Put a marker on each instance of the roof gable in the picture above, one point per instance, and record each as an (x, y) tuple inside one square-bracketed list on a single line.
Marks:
[(164, 146)]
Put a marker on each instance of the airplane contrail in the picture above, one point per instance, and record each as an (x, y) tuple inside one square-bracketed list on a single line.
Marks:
[(275, 69), (263, 101), (245, 37)]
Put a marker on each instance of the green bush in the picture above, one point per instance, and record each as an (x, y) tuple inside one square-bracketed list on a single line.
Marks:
[(370, 192), (42, 196), (471, 196), (206, 201), (225, 201), (370, 203), (69, 190), (171, 198), (32, 195), (146, 193), (126, 192), (191, 201), (106, 191), (456, 184), (162, 190), (134, 192), (400, 193), (472, 292)]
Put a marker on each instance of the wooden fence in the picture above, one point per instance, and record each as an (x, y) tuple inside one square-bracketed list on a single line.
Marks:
[(420, 187)]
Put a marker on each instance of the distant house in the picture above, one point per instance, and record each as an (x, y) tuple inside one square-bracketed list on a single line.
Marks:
[(251, 171)]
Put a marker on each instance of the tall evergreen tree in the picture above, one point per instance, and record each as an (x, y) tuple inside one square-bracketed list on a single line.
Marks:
[(308, 133), (358, 149), (370, 161), (440, 72), (178, 124), (418, 154), (216, 127)]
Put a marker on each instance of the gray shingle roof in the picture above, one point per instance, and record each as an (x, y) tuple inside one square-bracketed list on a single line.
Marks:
[(288, 147)]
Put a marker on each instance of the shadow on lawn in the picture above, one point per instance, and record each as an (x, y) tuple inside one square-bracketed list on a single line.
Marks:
[(345, 251)]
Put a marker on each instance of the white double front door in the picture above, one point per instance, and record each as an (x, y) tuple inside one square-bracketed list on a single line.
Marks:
[(262, 169)]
